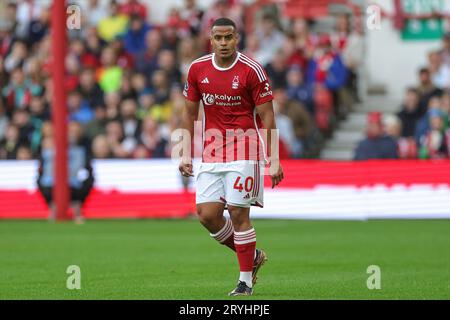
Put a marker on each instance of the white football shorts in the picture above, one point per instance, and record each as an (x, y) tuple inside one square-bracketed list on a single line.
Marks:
[(238, 183)]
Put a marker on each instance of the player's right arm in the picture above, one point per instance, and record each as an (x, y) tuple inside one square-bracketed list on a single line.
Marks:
[(190, 114)]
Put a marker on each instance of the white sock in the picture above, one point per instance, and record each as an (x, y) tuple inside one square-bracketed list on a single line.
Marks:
[(246, 277)]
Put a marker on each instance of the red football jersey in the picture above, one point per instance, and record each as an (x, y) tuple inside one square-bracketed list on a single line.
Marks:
[(230, 96)]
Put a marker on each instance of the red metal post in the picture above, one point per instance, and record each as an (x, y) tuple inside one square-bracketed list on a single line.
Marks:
[(59, 109)]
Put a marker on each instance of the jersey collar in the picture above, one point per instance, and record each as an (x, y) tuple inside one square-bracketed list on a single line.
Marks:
[(227, 68)]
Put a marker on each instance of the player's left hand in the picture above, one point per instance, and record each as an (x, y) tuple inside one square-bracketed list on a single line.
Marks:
[(186, 168), (276, 173)]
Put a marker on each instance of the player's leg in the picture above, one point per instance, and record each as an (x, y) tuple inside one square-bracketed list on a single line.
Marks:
[(244, 241), (210, 206), (210, 215), (260, 255), (242, 190)]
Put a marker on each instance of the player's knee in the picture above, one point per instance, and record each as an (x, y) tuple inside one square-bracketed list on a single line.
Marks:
[(239, 217), (203, 216), (238, 221)]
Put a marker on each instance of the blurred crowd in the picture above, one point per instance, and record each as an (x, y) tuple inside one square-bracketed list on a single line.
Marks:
[(124, 76), (420, 129)]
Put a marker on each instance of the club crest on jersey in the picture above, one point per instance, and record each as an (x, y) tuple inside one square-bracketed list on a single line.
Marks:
[(235, 83)]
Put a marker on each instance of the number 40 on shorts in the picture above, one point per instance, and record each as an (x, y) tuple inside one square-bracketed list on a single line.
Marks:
[(248, 184)]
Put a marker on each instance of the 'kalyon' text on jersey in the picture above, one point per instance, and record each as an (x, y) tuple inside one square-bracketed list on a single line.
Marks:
[(230, 96)]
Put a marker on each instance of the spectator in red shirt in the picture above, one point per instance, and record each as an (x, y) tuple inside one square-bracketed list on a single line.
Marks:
[(72, 77), (181, 26), (304, 40), (295, 55), (125, 60), (134, 7), (86, 58), (342, 31), (18, 92), (6, 37)]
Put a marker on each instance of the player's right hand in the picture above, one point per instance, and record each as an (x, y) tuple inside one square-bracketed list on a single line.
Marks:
[(186, 168)]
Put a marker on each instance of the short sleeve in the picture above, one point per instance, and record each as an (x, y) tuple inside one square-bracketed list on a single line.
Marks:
[(261, 90), (191, 91)]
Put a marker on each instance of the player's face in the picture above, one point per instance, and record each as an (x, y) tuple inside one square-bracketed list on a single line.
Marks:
[(224, 40)]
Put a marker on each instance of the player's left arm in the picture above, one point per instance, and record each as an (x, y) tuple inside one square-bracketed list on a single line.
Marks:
[(267, 115)]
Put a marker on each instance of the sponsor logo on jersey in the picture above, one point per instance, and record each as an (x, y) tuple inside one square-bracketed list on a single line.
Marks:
[(221, 99), (205, 80), (208, 99), (268, 91)]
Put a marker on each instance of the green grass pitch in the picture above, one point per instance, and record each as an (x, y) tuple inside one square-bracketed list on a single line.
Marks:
[(176, 259)]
